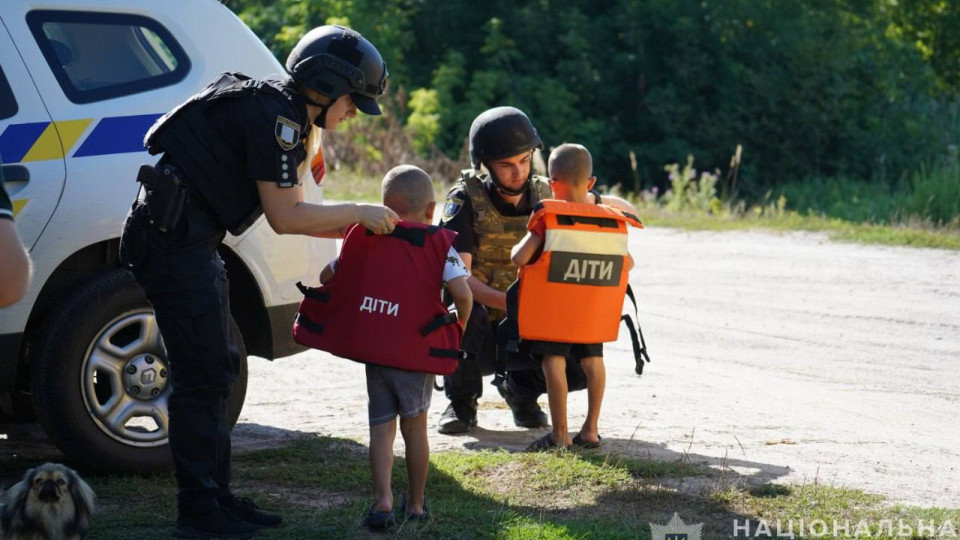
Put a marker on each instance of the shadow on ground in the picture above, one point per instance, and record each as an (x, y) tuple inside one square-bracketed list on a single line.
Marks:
[(322, 486)]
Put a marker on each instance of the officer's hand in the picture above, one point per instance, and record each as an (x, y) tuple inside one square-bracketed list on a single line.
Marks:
[(377, 218)]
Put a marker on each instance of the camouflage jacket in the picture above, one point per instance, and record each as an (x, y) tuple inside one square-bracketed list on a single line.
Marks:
[(496, 234)]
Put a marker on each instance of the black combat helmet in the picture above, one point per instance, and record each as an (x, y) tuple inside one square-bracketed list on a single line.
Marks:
[(501, 132), (334, 60)]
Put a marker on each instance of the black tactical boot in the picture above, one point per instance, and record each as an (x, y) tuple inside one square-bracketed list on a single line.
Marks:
[(248, 511), (526, 414), (217, 523), (459, 417)]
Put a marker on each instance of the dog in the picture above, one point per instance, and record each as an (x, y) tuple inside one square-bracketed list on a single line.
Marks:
[(52, 502)]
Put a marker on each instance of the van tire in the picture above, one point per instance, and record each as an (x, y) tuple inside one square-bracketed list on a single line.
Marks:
[(80, 406)]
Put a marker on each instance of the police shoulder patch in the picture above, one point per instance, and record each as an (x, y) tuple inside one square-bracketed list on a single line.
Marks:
[(287, 132), (451, 208)]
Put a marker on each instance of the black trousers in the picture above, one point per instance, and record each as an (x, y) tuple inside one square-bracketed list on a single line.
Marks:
[(185, 280), (480, 336)]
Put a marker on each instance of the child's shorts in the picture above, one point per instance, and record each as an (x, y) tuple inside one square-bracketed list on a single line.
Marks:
[(570, 351), (393, 392)]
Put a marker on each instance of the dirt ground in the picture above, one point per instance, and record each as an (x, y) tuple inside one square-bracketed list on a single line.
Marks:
[(785, 358)]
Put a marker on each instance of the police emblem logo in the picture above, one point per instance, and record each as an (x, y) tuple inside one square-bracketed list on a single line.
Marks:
[(676, 529), (287, 132), (451, 208)]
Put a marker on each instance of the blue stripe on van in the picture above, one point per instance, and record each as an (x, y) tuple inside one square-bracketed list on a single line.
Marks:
[(17, 139), (117, 135)]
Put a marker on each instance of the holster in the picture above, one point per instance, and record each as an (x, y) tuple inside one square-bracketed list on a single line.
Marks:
[(166, 195)]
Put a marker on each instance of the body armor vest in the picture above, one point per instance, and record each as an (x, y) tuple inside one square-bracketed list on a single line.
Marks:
[(383, 304), (573, 293), (210, 168), (496, 234)]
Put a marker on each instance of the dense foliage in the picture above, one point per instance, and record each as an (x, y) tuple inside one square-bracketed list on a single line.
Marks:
[(863, 89)]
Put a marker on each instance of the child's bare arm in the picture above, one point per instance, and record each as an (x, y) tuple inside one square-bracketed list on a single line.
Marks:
[(524, 251), (332, 233), (327, 273), (629, 262), (462, 298), (620, 203)]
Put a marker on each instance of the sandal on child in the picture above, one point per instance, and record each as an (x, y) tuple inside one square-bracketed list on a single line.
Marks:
[(543, 443), (379, 519), (580, 443), (410, 516)]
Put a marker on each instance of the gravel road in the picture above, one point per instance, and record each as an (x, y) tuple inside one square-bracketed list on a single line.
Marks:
[(786, 358)]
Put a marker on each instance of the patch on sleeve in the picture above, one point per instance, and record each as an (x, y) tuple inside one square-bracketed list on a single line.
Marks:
[(451, 208), (287, 132), (287, 169)]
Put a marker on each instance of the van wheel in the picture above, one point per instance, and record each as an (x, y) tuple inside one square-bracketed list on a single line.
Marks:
[(99, 381)]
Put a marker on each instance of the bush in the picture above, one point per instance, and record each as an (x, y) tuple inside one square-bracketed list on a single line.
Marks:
[(860, 90), (935, 191), (690, 193)]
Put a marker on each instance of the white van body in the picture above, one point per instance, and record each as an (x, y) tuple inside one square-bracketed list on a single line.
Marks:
[(86, 79)]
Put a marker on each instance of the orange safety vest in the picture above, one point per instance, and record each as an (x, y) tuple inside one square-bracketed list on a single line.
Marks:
[(573, 293)]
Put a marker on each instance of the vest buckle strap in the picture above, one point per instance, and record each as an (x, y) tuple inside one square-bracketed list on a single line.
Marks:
[(303, 321), (313, 292), (437, 322)]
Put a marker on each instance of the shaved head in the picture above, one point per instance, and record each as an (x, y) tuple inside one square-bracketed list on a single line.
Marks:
[(571, 164), (406, 189)]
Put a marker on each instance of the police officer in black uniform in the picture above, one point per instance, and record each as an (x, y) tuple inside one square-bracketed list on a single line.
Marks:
[(489, 208), (231, 153)]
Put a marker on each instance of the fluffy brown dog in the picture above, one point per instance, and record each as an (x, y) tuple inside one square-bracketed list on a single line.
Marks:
[(51, 503)]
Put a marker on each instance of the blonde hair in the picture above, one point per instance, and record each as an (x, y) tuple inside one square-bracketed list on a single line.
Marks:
[(313, 146)]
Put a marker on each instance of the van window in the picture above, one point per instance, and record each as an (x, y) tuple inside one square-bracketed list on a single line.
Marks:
[(8, 105), (97, 56)]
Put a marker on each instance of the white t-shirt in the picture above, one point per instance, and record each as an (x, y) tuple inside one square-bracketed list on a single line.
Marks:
[(453, 267)]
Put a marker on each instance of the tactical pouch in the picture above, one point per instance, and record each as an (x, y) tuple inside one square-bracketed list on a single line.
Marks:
[(166, 195)]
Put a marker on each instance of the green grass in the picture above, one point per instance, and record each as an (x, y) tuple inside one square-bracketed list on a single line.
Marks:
[(846, 212), (915, 235), (930, 195), (346, 185), (322, 486)]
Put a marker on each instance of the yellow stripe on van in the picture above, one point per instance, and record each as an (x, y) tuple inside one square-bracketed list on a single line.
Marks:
[(18, 205), (71, 130), (48, 145)]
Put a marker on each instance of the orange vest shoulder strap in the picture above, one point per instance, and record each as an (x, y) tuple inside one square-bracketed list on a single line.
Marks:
[(553, 206)]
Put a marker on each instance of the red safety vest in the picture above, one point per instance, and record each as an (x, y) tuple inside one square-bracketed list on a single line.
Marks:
[(383, 304), (573, 293)]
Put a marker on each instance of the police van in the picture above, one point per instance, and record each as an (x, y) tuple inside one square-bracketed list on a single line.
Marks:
[(81, 81)]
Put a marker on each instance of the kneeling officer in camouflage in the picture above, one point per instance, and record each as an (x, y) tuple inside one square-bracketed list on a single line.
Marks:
[(489, 208)]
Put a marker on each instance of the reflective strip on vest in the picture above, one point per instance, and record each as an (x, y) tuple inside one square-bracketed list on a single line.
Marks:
[(598, 243)]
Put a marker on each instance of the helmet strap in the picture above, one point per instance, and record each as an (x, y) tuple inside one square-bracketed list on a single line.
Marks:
[(321, 120), (507, 191), (322, 117)]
